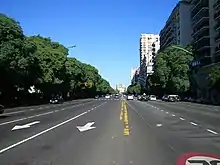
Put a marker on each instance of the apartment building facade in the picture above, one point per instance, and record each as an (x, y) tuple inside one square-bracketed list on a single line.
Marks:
[(205, 18), (149, 45), (135, 75), (177, 29)]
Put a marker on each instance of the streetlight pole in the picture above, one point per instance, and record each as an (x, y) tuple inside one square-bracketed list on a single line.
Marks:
[(183, 49), (70, 47)]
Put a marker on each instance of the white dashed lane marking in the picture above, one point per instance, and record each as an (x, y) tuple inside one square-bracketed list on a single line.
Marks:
[(211, 131), (193, 123), (181, 118)]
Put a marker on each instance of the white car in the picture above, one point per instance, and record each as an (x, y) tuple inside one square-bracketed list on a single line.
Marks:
[(107, 96), (152, 98), (130, 97)]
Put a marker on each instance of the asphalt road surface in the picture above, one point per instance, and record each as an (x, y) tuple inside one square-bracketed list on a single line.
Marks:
[(107, 132)]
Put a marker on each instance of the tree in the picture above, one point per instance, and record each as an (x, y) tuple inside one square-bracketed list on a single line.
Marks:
[(171, 71), (134, 89), (52, 57), (19, 66), (214, 78), (39, 62)]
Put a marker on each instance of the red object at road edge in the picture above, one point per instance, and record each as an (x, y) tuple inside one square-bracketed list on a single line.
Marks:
[(183, 158)]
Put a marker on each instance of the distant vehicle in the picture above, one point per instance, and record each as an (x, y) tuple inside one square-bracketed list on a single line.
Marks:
[(139, 97), (145, 98), (130, 97), (1, 109), (107, 96), (116, 96), (173, 98), (177, 98), (165, 98), (96, 97), (152, 98), (56, 100)]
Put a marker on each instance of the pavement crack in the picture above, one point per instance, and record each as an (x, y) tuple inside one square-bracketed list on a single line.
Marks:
[(171, 147)]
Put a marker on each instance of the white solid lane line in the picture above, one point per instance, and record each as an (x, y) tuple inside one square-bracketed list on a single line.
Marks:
[(211, 131), (38, 134), (43, 132), (13, 121), (42, 114), (193, 123), (11, 113)]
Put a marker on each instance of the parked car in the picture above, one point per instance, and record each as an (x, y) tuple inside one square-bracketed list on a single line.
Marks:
[(130, 97), (107, 96), (56, 100), (171, 98), (116, 96), (165, 98), (1, 109), (152, 98), (139, 97)]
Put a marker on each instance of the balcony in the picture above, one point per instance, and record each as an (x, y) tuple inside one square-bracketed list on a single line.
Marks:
[(202, 39), (203, 12), (217, 38), (195, 2), (205, 34), (203, 20), (200, 29), (197, 8), (217, 15), (217, 4), (203, 47), (217, 51), (217, 26), (202, 43), (168, 40)]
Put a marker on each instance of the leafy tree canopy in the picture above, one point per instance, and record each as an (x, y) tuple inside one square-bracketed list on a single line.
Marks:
[(134, 89), (40, 62), (171, 70)]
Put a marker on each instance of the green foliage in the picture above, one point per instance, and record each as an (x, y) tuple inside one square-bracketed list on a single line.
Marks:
[(214, 78), (171, 71), (18, 61), (40, 62), (134, 89)]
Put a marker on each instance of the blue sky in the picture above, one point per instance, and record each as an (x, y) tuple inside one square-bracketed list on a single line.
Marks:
[(106, 32)]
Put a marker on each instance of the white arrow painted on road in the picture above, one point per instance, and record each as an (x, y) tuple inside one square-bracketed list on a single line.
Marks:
[(25, 125), (86, 127)]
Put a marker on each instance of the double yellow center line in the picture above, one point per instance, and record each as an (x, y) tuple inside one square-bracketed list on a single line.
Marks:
[(124, 117)]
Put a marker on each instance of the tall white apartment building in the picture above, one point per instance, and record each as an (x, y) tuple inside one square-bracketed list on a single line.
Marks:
[(121, 88), (149, 45)]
